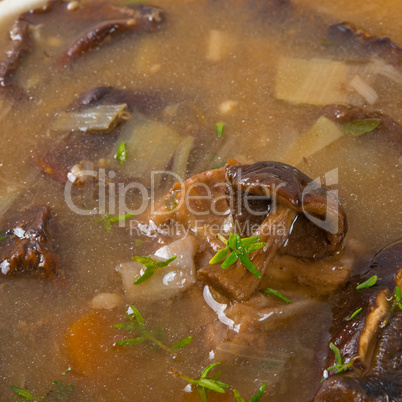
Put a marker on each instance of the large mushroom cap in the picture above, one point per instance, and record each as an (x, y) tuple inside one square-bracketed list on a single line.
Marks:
[(320, 225)]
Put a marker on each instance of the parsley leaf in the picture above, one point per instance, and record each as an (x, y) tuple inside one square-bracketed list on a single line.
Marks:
[(238, 248), (219, 128), (136, 323), (274, 292), (151, 265), (255, 398), (353, 315), (121, 153), (340, 365), (368, 284), (113, 219), (360, 127), (203, 383)]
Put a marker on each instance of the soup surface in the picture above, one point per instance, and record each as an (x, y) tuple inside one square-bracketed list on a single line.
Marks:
[(104, 105)]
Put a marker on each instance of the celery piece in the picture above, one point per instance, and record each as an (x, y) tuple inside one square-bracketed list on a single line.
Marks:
[(98, 118), (321, 134)]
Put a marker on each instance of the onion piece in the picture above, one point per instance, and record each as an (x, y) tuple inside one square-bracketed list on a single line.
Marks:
[(150, 146), (363, 89), (166, 282), (181, 157), (99, 118), (321, 134)]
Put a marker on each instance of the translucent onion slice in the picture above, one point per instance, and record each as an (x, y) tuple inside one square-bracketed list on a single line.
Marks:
[(99, 119)]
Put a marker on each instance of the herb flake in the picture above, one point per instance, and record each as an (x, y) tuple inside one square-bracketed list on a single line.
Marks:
[(360, 127), (219, 127), (203, 383), (121, 153), (368, 284), (340, 365), (108, 220), (238, 249), (353, 315), (279, 295), (151, 265), (136, 323)]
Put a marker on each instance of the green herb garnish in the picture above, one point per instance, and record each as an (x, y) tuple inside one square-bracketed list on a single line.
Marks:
[(255, 398), (152, 265), (238, 249), (59, 393), (136, 323), (340, 365), (3, 236), (396, 303), (360, 127), (113, 219), (27, 395), (203, 383), (357, 312), (274, 292), (368, 284), (219, 128), (121, 153)]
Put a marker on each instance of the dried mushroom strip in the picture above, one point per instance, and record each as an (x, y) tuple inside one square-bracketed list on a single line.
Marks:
[(347, 36), (289, 193), (375, 347), (28, 247), (92, 24), (117, 19)]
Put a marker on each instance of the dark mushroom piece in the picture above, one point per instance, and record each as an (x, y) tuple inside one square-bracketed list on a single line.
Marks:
[(303, 220), (356, 41), (27, 247), (139, 17), (20, 42), (373, 337)]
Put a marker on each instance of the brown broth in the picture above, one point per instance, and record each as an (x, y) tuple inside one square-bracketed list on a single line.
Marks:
[(35, 314)]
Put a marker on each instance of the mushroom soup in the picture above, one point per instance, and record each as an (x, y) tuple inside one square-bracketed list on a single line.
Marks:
[(200, 200)]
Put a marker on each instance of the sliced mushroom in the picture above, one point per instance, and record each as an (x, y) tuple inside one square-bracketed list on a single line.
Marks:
[(287, 193), (355, 40), (377, 348), (139, 17)]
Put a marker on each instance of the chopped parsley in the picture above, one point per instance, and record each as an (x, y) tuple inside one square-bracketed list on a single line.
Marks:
[(238, 249), (274, 292), (368, 284), (360, 127), (396, 303), (137, 323), (203, 383), (58, 392), (219, 128), (121, 153), (113, 219), (340, 365), (151, 265), (255, 398), (353, 315)]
